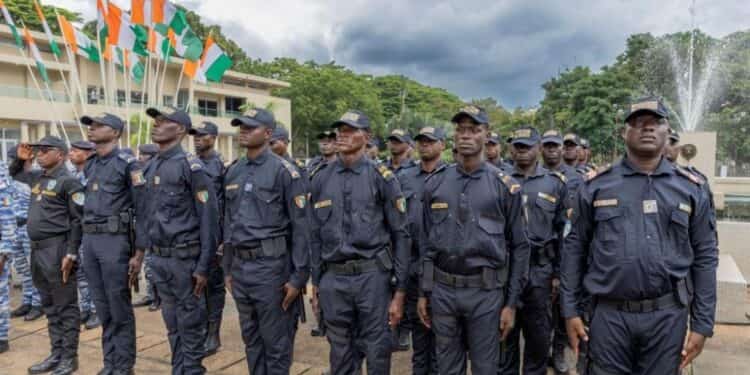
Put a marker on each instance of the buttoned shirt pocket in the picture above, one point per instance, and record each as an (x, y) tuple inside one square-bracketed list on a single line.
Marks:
[(679, 229), (610, 234)]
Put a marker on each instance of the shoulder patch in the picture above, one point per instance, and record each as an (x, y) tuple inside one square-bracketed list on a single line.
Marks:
[(317, 169), (509, 182), (594, 173), (289, 167), (127, 157), (300, 163), (560, 176), (689, 175), (385, 172), (194, 163)]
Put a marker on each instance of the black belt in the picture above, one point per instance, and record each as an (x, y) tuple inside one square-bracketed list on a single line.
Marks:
[(458, 281), (191, 250), (642, 306), (353, 267), (103, 228), (48, 241), (249, 253), (543, 256)]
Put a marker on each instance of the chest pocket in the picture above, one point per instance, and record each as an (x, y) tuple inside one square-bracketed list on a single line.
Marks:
[(541, 220), (610, 224), (679, 227), (269, 203)]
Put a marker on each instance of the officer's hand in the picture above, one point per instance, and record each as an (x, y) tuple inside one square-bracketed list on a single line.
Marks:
[(24, 152), (423, 309), (314, 301), (228, 283), (507, 320), (66, 268), (290, 293), (200, 282), (555, 288), (134, 268), (692, 349), (396, 310), (576, 332)]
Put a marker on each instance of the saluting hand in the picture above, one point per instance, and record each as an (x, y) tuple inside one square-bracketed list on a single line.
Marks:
[(200, 282), (24, 152), (290, 293), (576, 332)]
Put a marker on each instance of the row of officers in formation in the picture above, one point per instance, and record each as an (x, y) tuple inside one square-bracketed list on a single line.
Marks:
[(618, 262)]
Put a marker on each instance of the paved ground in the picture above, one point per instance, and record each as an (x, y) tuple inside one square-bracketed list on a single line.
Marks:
[(728, 353)]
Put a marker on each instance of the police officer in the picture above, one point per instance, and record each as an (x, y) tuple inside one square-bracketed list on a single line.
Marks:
[(279, 145), (430, 144), (181, 228), (372, 149), (398, 145), (31, 304), (151, 298), (642, 244), (571, 145), (204, 140), (476, 252), (8, 238), (265, 244), (54, 227), (552, 155), (114, 181), (493, 152), (544, 195), (359, 240), (327, 147), (584, 157), (79, 153)]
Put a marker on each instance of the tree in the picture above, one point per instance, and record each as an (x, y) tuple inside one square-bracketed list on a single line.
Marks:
[(23, 11)]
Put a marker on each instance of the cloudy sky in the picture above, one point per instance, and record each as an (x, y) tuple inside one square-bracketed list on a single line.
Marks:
[(505, 49)]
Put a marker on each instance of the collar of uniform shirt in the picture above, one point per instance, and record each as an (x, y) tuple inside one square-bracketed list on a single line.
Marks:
[(437, 166), (475, 175), (170, 152), (538, 171), (261, 158), (109, 156), (663, 168), (356, 167), (57, 171)]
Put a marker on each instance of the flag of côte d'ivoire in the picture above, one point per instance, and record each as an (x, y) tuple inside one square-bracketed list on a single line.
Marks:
[(78, 42)]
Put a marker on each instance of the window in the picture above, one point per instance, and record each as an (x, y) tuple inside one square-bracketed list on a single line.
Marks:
[(182, 98), (137, 97), (208, 107), (8, 138), (167, 100), (233, 106), (92, 96), (121, 97)]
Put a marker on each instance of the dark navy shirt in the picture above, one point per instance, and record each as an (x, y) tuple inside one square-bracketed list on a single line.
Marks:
[(406, 164), (182, 208), (474, 220), (635, 235), (114, 183), (358, 212), (573, 181), (267, 198)]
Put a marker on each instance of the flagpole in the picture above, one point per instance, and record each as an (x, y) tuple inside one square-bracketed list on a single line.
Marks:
[(74, 65), (144, 92), (126, 83), (179, 83), (102, 68), (164, 73)]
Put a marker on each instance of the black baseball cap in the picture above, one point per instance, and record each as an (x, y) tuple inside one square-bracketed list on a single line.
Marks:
[(107, 119), (552, 136), (256, 117), (400, 135), (526, 135), (432, 133), (649, 104), (326, 134), (674, 135), (83, 145), (476, 113), (148, 149), (584, 143), (353, 118), (177, 116), (494, 138), (280, 133), (51, 141), (205, 128), (571, 138)]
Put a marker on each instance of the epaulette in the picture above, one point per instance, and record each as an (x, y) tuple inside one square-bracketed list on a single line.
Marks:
[(126, 157), (385, 171), (560, 176), (512, 185), (289, 167), (194, 162), (689, 175), (318, 168), (592, 174)]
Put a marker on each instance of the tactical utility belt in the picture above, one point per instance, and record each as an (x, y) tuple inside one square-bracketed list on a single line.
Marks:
[(118, 224), (544, 255), (184, 251), (381, 262), (677, 298), (269, 248), (41, 244), (489, 278)]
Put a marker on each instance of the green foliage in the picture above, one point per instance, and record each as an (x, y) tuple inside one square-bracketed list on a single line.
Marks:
[(23, 12)]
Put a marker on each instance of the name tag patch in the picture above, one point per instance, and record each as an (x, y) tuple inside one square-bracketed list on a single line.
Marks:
[(605, 203), (650, 207), (322, 204)]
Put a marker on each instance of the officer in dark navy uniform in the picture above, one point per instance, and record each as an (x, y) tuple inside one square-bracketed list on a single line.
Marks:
[(181, 229), (476, 253), (54, 226), (544, 194), (327, 148), (571, 145), (493, 152), (147, 152), (204, 140), (399, 143), (430, 144), (266, 238), (552, 155), (114, 182), (151, 298), (643, 245), (359, 242), (279, 145)]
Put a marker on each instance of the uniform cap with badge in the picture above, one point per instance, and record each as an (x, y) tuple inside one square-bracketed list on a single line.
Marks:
[(256, 117), (106, 119), (205, 128), (83, 145), (571, 138), (526, 135), (674, 136), (399, 135), (177, 116), (51, 141), (329, 134), (353, 118), (280, 134), (649, 104), (476, 113), (494, 138), (552, 136), (432, 133)]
